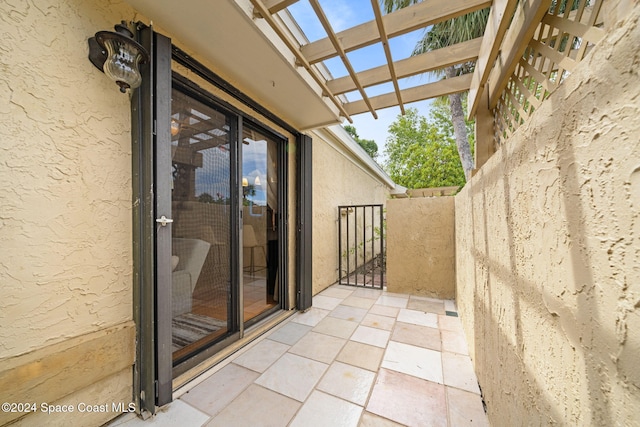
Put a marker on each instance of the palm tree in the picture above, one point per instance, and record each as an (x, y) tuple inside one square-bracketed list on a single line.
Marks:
[(441, 35)]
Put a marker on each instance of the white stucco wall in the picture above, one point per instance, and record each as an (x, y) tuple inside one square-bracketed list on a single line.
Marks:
[(548, 252)]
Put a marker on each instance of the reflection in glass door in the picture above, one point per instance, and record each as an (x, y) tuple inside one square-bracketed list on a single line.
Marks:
[(260, 224), (224, 239), (201, 160)]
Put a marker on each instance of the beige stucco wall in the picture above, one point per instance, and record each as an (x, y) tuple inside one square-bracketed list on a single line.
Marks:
[(338, 179), (66, 218), (66, 178), (421, 246), (548, 252), (65, 183)]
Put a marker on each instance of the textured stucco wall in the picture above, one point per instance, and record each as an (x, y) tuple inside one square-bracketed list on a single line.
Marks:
[(65, 219), (421, 246), (337, 180), (548, 252), (65, 185)]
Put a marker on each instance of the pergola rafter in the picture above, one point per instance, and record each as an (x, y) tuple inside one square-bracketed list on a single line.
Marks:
[(403, 21), (379, 30), (343, 56), (414, 65), (525, 53), (263, 12), (387, 52), (274, 6), (414, 94)]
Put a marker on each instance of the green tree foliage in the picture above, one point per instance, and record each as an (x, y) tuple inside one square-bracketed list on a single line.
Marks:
[(369, 145), (421, 152), (442, 35)]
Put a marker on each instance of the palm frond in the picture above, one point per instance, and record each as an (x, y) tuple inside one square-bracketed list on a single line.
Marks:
[(389, 6)]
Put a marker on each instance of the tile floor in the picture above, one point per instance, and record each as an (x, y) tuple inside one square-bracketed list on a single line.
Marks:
[(358, 357)]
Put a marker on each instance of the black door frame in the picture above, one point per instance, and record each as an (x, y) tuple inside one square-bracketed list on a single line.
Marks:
[(304, 247), (162, 193), (143, 138)]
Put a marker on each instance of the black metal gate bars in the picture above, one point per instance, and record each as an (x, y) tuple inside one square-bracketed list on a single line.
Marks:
[(361, 245)]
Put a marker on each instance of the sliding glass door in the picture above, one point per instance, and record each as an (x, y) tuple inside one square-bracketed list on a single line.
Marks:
[(202, 141), (209, 225), (226, 225), (260, 224)]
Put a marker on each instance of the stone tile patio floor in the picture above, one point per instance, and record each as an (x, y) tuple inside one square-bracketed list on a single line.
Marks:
[(358, 357)]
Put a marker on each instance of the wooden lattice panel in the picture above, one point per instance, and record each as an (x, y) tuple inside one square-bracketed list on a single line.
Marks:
[(565, 35)]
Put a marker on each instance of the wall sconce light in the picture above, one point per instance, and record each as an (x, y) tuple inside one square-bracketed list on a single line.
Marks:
[(257, 181), (119, 56), (245, 182)]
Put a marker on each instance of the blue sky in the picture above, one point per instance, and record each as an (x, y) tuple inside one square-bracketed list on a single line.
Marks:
[(343, 14), (213, 177)]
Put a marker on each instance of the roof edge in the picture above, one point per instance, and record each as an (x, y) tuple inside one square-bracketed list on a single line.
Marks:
[(340, 135)]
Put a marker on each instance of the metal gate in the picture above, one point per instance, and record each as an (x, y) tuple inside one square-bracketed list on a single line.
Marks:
[(361, 245)]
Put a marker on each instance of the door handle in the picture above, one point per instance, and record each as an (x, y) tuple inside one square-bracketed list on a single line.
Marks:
[(163, 220)]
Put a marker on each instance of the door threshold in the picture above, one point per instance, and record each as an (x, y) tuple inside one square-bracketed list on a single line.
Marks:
[(194, 376)]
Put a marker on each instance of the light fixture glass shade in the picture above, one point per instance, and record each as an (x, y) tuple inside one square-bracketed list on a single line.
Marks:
[(123, 63), (257, 181), (245, 182), (175, 127), (123, 56)]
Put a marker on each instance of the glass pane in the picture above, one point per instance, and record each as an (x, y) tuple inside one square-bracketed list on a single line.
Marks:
[(201, 209), (260, 220)]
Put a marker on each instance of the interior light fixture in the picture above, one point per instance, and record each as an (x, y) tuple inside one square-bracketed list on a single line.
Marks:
[(175, 127), (119, 56), (257, 181)]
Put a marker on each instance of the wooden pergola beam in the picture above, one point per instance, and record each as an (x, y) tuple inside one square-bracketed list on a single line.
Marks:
[(425, 62), (275, 6), (497, 24), (403, 21), (343, 56), (262, 10), (419, 93), (526, 19), (206, 144), (387, 52)]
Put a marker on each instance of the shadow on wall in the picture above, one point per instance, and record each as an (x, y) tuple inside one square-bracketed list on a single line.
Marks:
[(516, 317), (525, 336), (547, 274)]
